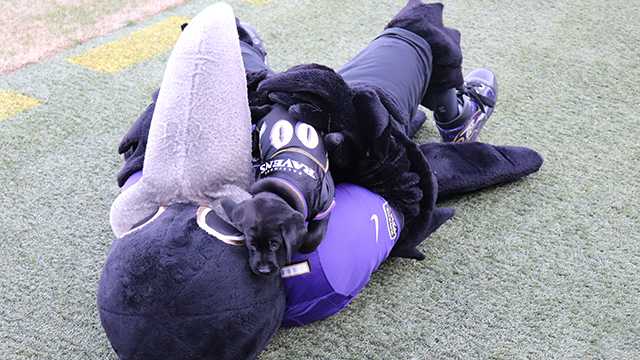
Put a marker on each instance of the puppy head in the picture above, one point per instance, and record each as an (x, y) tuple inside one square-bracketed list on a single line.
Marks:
[(273, 230)]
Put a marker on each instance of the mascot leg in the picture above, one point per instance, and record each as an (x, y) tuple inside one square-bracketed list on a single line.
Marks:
[(430, 58), (397, 64), (430, 74)]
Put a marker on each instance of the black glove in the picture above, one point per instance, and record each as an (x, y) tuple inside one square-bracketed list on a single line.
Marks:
[(314, 94), (134, 143)]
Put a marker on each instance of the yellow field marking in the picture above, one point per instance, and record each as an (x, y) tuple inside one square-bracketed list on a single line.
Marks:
[(12, 103), (134, 48)]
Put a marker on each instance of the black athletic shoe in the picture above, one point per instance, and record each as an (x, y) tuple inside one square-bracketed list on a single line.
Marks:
[(249, 34), (478, 96)]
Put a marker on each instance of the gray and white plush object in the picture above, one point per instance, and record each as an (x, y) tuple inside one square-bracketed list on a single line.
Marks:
[(202, 111)]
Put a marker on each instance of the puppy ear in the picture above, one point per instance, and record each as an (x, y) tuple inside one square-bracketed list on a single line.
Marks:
[(233, 210), (293, 233)]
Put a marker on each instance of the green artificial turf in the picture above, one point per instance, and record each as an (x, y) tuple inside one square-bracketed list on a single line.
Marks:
[(548, 267)]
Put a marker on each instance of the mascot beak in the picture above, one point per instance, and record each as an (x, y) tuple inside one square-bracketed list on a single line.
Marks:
[(199, 146)]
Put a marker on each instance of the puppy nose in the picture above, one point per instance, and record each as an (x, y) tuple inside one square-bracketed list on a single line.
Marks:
[(265, 269)]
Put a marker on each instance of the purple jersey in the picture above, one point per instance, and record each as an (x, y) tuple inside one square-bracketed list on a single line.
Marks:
[(363, 229)]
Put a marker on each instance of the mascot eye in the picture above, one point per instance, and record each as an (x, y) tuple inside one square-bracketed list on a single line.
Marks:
[(146, 221), (281, 133), (215, 226), (307, 135)]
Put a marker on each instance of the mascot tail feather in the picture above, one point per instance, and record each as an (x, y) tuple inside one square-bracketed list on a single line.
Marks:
[(466, 167), (201, 114)]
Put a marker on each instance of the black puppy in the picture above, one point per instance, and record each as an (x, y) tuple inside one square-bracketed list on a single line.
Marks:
[(271, 227), (293, 193)]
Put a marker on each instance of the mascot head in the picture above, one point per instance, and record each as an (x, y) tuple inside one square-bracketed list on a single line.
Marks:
[(176, 285), (170, 290)]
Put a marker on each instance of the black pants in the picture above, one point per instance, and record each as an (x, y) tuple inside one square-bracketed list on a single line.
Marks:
[(398, 61)]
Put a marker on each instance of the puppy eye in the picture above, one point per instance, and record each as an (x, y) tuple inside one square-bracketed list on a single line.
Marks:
[(274, 246)]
